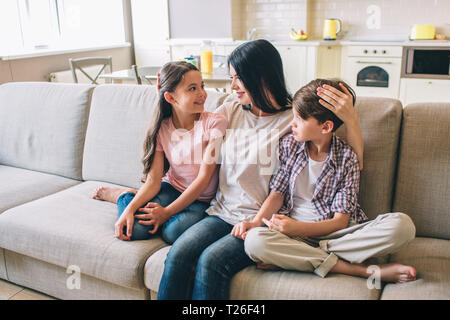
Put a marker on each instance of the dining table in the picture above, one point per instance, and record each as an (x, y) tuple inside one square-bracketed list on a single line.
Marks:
[(218, 79)]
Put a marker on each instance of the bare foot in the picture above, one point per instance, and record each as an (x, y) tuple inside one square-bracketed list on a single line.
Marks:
[(396, 272), (110, 194), (264, 266)]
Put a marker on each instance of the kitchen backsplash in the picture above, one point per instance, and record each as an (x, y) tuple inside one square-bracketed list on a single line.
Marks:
[(362, 19)]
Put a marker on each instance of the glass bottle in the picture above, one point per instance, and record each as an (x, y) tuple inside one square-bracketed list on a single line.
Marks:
[(206, 57)]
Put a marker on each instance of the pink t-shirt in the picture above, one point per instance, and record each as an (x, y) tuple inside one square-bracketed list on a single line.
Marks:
[(184, 150)]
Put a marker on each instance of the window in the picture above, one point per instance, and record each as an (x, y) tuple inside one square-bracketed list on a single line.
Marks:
[(41, 24)]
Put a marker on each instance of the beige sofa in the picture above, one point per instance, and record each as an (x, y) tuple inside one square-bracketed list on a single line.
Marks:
[(58, 142)]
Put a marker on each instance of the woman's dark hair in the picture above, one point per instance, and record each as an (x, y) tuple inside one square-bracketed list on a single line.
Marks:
[(170, 76), (258, 65), (306, 101)]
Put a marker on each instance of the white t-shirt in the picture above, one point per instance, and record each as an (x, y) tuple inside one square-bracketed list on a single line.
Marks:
[(305, 184), (249, 157)]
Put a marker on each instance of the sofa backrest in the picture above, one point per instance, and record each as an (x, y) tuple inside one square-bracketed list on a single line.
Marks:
[(118, 122), (423, 180), (43, 126), (380, 121)]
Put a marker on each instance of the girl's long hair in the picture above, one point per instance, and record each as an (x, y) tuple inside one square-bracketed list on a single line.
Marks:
[(260, 68), (170, 77)]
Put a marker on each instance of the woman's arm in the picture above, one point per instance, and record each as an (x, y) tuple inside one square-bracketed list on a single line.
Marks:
[(341, 103)]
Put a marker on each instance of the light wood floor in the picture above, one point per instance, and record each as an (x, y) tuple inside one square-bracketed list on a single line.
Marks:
[(11, 291)]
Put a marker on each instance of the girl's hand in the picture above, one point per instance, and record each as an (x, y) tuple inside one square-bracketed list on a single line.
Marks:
[(240, 229), (339, 102), (285, 225), (156, 214), (125, 220)]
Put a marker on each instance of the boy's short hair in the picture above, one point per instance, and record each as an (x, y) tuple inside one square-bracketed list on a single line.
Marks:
[(306, 101)]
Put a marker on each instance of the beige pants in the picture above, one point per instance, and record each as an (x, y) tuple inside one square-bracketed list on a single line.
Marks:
[(384, 235)]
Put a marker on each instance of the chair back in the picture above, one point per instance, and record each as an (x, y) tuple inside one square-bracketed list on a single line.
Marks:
[(141, 73), (81, 63)]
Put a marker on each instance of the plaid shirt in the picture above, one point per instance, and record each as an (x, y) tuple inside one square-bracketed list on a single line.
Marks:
[(337, 187)]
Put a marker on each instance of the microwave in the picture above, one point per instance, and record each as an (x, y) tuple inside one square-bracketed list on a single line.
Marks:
[(426, 62)]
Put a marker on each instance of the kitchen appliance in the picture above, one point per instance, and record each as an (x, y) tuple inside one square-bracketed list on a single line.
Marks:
[(374, 71), (426, 62), (422, 32), (331, 28)]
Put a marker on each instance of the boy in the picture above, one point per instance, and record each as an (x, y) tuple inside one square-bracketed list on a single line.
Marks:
[(317, 185)]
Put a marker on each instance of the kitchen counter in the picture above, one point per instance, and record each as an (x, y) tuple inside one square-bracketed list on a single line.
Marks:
[(320, 42), (406, 43)]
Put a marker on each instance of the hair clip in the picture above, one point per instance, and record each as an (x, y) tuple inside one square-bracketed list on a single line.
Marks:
[(158, 84)]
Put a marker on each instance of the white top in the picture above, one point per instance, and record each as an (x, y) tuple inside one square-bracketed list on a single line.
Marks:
[(249, 158), (305, 184)]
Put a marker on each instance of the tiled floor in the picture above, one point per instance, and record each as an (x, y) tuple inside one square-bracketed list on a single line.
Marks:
[(11, 291)]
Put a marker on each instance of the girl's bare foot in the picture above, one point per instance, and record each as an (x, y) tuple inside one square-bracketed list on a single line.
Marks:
[(110, 194), (396, 272)]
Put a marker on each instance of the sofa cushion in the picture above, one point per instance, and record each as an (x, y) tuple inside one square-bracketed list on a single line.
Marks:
[(70, 228), (423, 180), (431, 259), (118, 122), (254, 284), (18, 186), (43, 126), (380, 121)]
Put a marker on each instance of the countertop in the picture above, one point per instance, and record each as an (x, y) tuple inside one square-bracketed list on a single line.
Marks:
[(320, 42)]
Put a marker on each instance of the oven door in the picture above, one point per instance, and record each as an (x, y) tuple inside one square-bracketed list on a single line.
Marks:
[(375, 77)]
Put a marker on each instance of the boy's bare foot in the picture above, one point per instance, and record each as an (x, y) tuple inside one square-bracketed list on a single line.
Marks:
[(396, 272), (110, 194), (264, 266)]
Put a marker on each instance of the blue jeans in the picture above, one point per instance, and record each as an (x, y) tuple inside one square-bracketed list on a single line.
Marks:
[(176, 225), (202, 261)]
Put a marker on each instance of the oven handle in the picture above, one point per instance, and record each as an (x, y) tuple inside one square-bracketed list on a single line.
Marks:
[(374, 62)]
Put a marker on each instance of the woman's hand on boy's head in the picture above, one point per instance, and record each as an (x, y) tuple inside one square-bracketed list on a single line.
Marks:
[(339, 102)]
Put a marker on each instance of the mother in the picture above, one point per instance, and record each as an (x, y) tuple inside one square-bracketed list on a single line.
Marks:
[(202, 261)]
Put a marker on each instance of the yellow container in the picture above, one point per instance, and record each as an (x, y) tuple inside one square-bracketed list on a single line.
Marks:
[(206, 61), (422, 32)]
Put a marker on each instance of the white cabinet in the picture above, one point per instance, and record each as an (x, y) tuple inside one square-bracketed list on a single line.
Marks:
[(424, 90), (150, 32), (328, 62), (304, 63), (294, 65)]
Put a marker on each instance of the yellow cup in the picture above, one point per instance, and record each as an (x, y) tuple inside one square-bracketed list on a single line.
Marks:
[(206, 61)]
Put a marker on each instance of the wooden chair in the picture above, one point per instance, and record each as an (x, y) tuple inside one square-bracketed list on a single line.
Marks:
[(140, 73), (81, 63)]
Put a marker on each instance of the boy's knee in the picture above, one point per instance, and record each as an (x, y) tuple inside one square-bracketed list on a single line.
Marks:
[(404, 229), (255, 243)]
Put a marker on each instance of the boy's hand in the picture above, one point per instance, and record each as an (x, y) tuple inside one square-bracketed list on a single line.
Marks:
[(285, 225), (155, 214), (240, 229)]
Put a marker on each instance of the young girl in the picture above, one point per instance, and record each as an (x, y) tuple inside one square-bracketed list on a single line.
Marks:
[(185, 136)]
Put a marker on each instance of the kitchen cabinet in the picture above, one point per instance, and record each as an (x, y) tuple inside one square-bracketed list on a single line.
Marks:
[(424, 90), (150, 32), (328, 62), (294, 65), (303, 63)]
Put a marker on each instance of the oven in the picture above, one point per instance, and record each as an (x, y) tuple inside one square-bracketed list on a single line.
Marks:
[(374, 71)]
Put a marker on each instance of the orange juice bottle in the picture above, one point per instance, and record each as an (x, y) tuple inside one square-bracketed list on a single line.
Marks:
[(206, 57)]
